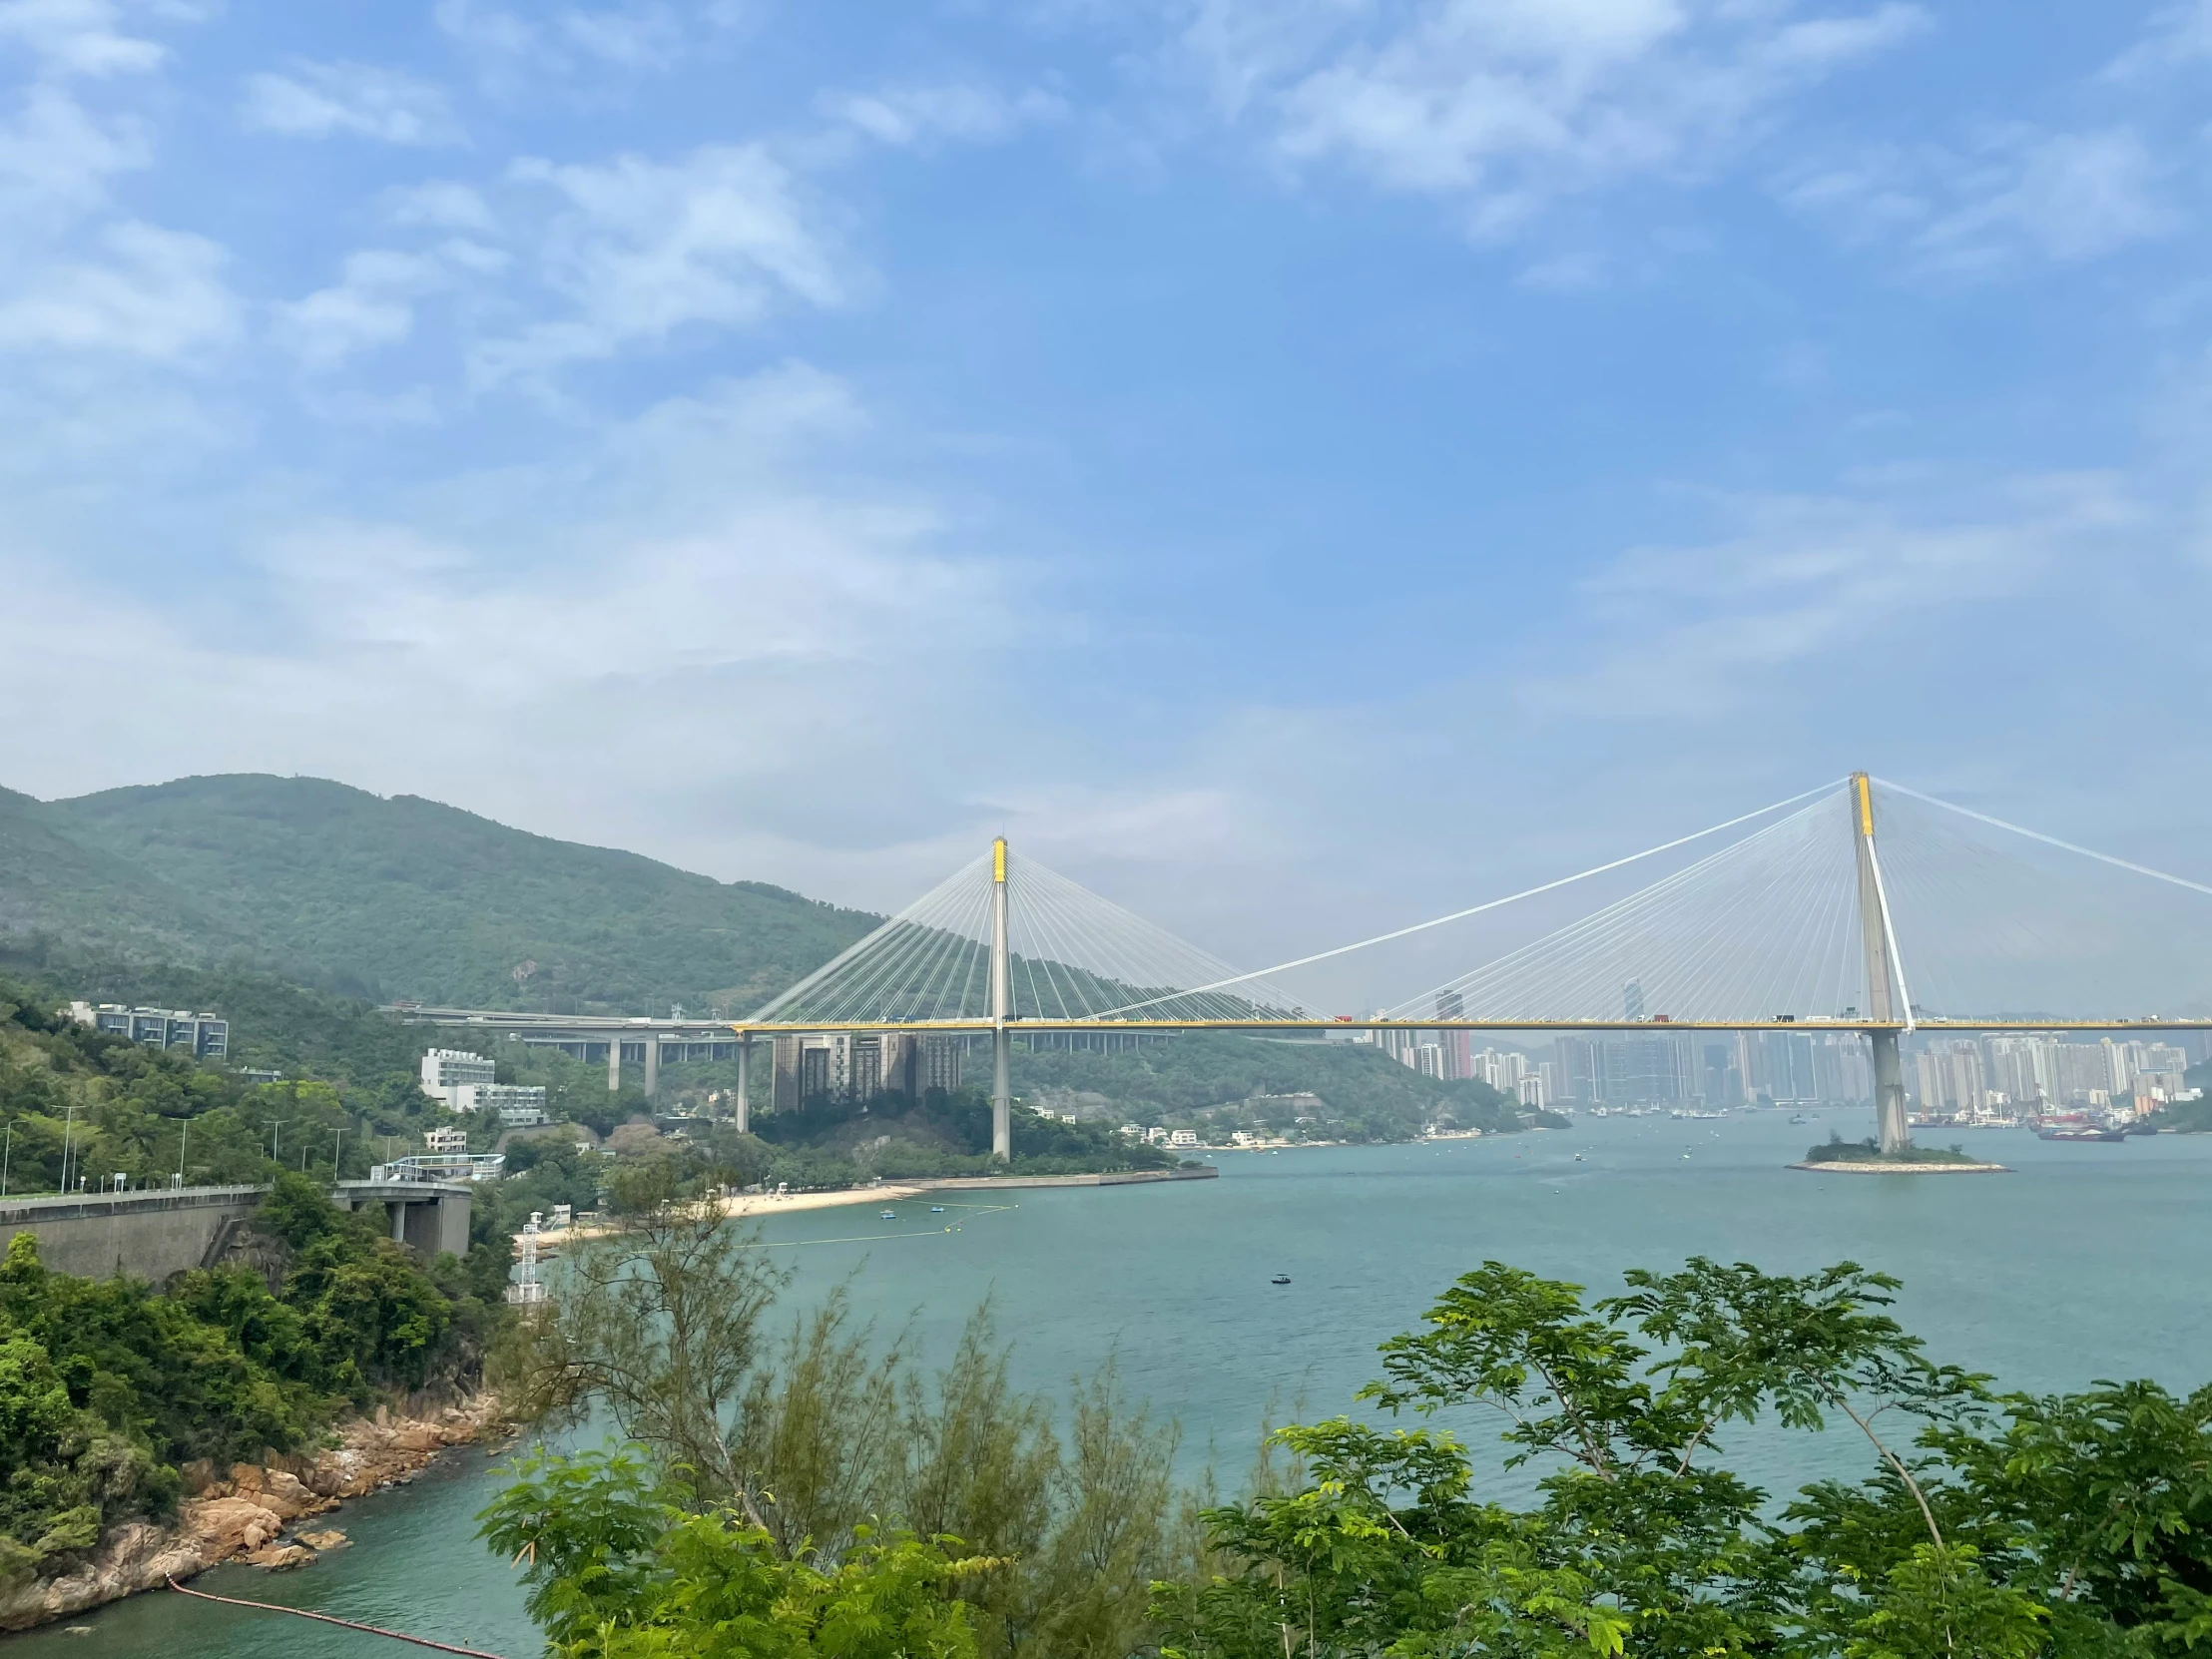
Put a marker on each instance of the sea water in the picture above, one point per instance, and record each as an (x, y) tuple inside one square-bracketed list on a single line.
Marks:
[(2084, 1263)]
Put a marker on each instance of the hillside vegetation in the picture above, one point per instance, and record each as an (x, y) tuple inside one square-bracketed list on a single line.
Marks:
[(393, 899), (1219, 1082)]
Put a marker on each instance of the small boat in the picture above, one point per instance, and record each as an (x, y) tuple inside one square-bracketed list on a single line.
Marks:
[(888, 1215), (936, 1209), (1280, 1279), (1578, 1157)]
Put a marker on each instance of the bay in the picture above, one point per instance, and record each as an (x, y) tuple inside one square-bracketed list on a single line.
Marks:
[(2083, 1264)]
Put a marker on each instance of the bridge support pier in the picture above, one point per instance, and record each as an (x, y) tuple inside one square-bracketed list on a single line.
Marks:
[(745, 1085), (652, 1064), (1889, 1091), (614, 1062), (1002, 1094)]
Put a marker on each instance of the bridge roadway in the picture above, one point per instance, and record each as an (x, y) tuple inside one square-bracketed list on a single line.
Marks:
[(634, 1031)]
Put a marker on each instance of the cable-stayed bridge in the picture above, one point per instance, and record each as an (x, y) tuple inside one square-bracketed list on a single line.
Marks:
[(1859, 906)]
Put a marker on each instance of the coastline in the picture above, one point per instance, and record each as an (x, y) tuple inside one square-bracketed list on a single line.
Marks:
[(264, 1514)]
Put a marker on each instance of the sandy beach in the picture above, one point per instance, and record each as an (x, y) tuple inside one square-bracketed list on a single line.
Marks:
[(766, 1204)]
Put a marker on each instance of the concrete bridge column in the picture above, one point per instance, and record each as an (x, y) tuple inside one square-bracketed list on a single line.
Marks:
[(398, 1213), (1889, 1093), (652, 1064), (614, 1064), (745, 1085)]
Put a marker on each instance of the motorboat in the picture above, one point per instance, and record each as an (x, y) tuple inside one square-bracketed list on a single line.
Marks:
[(1280, 1279)]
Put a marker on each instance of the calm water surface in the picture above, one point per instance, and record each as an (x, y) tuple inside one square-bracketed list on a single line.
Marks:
[(2085, 1263)]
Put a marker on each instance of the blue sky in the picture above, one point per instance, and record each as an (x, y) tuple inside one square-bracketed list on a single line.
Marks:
[(1291, 463)]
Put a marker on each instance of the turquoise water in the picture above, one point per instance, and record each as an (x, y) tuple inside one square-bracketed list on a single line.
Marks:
[(2084, 1263)]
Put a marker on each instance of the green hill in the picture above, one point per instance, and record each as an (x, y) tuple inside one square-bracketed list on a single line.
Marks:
[(54, 882), (394, 898)]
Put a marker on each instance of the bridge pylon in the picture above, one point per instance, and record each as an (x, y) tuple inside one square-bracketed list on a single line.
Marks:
[(1002, 1094), (1882, 972)]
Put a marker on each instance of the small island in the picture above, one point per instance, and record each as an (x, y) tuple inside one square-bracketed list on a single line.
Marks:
[(1841, 1157)]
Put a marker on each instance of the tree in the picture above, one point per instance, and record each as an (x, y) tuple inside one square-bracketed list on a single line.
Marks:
[(1641, 1542)]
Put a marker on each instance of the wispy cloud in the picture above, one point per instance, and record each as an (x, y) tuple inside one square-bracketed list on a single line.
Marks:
[(634, 249), (318, 100), (916, 112), (152, 293), (2021, 194), (76, 274), (1505, 105), (1691, 632), (78, 37), (2176, 36)]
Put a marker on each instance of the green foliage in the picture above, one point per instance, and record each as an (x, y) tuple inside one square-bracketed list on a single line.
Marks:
[(805, 1446), (616, 1574), (106, 1388), (1837, 1150), (1993, 1526), (841, 1143), (147, 1114), (1641, 1542), (390, 898), (1202, 1080)]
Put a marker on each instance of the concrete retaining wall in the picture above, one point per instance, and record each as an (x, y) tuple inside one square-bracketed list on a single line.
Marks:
[(147, 1235)]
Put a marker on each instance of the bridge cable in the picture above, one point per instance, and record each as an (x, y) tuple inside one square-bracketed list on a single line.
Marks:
[(2048, 840), (1477, 910)]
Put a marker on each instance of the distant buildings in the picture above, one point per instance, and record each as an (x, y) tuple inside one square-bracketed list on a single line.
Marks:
[(445, 1140), (202, 1036), (857, 1066), (463, 1084), (2003, 1076), (1662, 1069)]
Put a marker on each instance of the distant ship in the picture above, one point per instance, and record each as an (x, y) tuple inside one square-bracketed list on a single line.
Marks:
[(888, 1215), (1280, 1279), (2081, 1131)]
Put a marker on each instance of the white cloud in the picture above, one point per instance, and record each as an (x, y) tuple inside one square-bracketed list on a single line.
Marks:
[(2067, 197), (56, 159), (74, 275), (957, 110), (1506, 104), (2075, 196), (75, 37), (637, 249), (442, 203), (679, 609), (515, 45), (371, 305), (158, 295), (2177, 36), (1673, 633), (316, 100)]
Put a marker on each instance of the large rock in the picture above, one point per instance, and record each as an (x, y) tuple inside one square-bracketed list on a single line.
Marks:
[(277, 1490), (227, 1526), (241, 1514), (138, 1555)]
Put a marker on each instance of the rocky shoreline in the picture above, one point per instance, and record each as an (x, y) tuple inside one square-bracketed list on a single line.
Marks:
[(251, 1512)]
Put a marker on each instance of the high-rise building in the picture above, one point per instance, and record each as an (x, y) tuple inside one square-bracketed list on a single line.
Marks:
[(1575, 1060), (1632, 1000)]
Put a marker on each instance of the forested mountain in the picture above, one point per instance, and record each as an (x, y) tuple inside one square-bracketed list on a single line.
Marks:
[(393, 899)]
